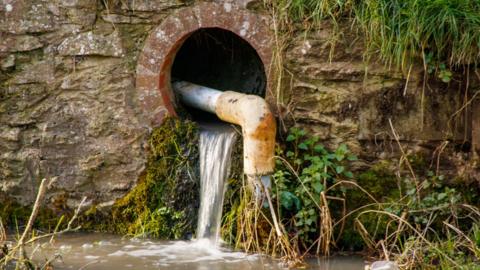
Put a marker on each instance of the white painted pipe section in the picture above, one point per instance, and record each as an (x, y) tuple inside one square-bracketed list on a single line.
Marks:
[(251, 112), (197, 96)]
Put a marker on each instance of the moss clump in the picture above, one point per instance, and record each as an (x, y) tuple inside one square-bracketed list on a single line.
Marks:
[(380, 182), (14, 215), (164, 203)]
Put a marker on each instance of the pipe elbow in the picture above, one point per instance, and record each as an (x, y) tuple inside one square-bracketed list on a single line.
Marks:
[(258, 124)]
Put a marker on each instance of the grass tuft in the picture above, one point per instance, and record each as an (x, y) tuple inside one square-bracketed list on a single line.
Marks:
[(401, 31)]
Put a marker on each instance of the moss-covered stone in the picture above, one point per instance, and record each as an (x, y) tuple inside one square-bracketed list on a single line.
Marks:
[(164, 202)]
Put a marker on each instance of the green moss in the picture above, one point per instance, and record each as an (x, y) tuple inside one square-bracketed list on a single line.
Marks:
[(164, 202), (380, 182), (14, 214), (418, 162)]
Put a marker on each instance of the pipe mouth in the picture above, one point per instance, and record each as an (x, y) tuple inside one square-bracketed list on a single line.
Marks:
[(219, 59)]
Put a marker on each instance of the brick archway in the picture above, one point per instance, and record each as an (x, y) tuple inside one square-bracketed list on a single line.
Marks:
[(155, 62)]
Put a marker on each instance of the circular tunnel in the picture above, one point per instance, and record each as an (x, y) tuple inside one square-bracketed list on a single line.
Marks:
[(221, 60)]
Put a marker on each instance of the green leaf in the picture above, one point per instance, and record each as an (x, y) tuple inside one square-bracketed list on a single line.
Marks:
[(319, 148), (348, 174), (309, 221), (290, 138), (288, 199), (342, 148), (303, 146), (426, 184), (441, 196), (352, 158), (411, 191), (446, 79), (339, 169), (317, 186), (330, 156)]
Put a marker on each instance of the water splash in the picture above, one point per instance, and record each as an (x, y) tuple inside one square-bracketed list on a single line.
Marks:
[(216, 143)]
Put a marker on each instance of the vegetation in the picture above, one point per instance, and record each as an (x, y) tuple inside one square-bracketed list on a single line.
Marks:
[(306, 178), (413, 216), (447, 31), (302, 181)]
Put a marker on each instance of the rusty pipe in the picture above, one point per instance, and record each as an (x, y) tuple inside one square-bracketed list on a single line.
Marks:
[(250, 112)]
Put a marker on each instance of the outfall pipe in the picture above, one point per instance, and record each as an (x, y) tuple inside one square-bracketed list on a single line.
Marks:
[(250, 112)]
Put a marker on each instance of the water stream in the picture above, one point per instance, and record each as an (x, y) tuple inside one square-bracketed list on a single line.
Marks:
[(216, 143)]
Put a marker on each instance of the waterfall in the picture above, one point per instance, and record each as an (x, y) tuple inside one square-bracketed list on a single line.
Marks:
[(216, 143)]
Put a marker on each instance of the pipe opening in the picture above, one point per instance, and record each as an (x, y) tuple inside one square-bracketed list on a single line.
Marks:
[(222, 60)]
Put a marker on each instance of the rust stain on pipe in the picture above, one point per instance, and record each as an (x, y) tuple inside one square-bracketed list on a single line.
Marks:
[(253, 114)]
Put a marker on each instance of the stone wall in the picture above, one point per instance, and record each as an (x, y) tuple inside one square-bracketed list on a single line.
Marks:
[(69, 106)]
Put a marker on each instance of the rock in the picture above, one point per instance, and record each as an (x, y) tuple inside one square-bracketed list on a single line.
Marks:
[(90, 4), (148, 5), (7, 62), (37, 72), (29, 16), (119, 18), (84, 17), (20, 43), (384, 265), (10, 134), (89, 43)]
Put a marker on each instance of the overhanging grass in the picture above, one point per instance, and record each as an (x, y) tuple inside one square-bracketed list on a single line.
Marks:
[(402, 30)]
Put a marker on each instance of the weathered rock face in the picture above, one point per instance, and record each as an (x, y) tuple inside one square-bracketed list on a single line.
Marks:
[(69, 107), (342, 98), (67, 100)]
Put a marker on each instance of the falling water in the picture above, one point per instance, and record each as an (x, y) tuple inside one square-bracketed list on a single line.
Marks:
[(216, 143)]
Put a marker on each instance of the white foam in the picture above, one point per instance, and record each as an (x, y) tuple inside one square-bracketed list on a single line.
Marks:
[(183, 252), (91, 257), (87, 246), (104, 243)]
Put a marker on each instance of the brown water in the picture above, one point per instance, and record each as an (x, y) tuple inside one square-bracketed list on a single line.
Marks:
[(103, 251)]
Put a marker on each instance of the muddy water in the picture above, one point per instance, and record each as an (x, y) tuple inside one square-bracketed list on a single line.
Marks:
[(101, 251)]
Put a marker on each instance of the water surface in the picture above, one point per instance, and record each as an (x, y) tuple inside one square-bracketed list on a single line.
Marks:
[(104, 251)]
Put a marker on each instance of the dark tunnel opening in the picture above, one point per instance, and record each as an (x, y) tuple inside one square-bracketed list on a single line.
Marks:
[(222, 60)]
